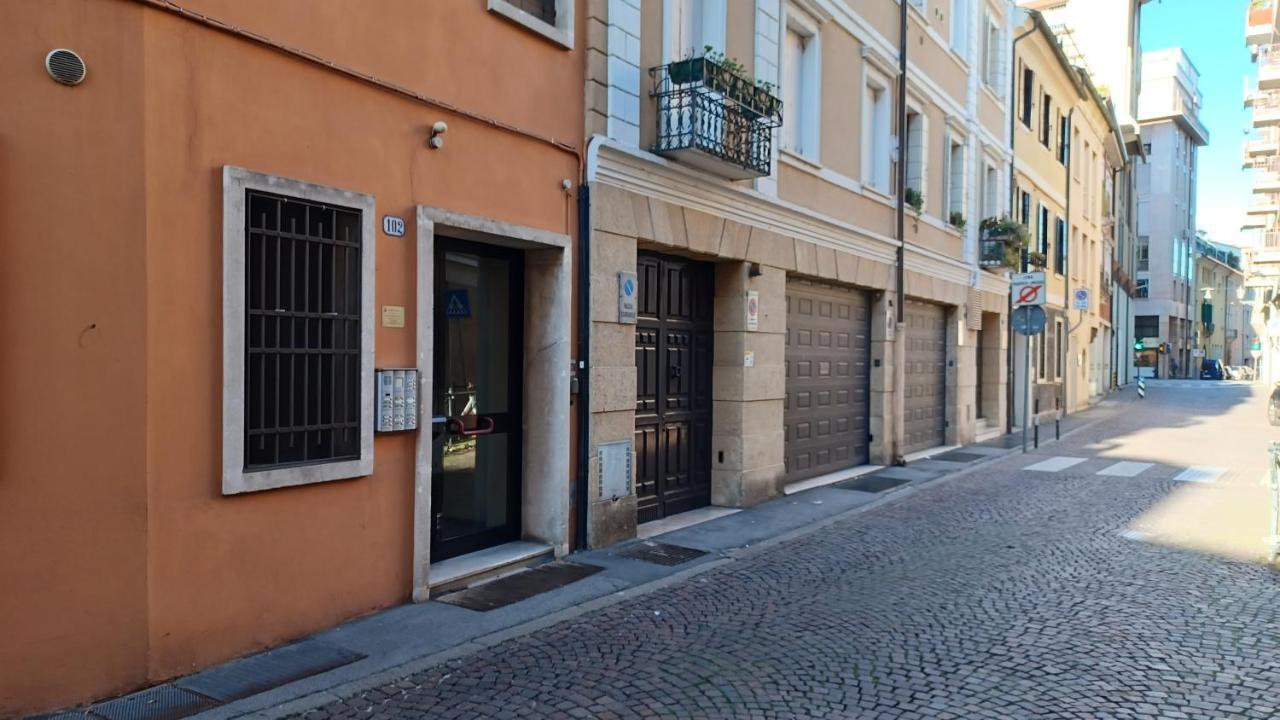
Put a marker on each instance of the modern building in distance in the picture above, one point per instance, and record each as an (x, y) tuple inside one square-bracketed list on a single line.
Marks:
[(1172, 133), (1262, 154)]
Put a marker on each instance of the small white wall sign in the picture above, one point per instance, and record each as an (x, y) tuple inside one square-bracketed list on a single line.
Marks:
[(753, 310), (627, 294)]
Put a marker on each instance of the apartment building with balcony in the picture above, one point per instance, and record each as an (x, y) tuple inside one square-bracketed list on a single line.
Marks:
[(1172, 131), (250, 225), (1067, 149), (1102, 37), (1262, 261), (742, 170)]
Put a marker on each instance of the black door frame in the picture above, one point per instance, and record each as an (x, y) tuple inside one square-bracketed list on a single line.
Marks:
[(511, 422), (702, 300)]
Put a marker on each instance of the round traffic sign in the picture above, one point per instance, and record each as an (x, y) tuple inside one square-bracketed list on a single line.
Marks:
[(1028, 320)]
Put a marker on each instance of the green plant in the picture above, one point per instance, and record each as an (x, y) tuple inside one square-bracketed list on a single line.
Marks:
[(915, 199), (1037, 259), (1002, 241), (957, 220)]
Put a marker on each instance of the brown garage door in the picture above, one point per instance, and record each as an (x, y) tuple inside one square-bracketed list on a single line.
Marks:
[(926, 376), (828, 379)]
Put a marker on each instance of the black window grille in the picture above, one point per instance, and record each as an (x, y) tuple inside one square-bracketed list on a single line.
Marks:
[(302, 344), (544, 10)]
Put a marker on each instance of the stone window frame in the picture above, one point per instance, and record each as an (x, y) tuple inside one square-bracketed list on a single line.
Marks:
[(561, 33), (235, 479)]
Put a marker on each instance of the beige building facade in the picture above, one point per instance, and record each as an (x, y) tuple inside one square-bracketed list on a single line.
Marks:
[(744, 335), (1067, 149)]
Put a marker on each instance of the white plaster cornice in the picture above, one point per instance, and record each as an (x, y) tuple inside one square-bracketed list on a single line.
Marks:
[(635, 170)]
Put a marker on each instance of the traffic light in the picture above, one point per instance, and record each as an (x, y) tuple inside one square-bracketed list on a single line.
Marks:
[(1139, 346)]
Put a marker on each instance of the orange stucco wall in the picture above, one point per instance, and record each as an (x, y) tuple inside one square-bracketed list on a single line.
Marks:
[(130, 566), (73, 514)]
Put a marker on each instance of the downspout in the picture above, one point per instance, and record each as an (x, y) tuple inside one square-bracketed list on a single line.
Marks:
[(899, 344), (1066, 275), (581, 496), (1013, 184), (583, 368)]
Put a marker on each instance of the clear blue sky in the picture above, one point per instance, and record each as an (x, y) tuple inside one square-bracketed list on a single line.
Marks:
[(1211, 32)]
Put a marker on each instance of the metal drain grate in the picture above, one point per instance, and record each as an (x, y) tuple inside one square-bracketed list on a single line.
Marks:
[(520, 586), (660, 553), (873, 483), (959, 456), (163, 702), (271, 669)]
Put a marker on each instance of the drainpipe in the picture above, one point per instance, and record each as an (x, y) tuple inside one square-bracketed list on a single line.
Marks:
[(583, 370), (899, 344), (1063, 357), (581, 497), (1011, 369)]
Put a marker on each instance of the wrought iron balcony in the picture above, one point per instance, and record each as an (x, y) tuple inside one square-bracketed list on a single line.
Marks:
[(714, 119)]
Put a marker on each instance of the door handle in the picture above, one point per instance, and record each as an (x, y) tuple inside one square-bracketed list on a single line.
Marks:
[(485, 427)]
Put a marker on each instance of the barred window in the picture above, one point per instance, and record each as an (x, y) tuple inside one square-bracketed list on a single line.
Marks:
[(544, 10), (302, 332)]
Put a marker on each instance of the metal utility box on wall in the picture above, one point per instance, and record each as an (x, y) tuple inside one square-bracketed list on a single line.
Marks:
[(397, 400)]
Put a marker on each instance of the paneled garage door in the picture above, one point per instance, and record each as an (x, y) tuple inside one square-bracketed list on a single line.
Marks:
[(828, 379), (926, 376)]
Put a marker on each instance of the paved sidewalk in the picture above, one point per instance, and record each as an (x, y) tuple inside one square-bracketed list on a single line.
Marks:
[(411, 638)]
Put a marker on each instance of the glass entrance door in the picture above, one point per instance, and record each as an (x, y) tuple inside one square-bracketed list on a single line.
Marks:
[(475, 486)]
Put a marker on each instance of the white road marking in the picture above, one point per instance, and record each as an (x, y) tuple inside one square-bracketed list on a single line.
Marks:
[(1125, 469), (1054, 464), (1200, 474)]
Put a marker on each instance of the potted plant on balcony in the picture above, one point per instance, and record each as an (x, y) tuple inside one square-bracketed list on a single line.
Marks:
[(957, 220), (915, 199), (1037, 260), (1003, 240)]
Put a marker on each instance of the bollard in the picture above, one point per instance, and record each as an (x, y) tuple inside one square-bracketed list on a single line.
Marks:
[(1274, 540), (1142, 389)]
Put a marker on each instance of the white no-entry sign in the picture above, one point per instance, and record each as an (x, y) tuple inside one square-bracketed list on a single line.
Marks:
[(1027, 289)]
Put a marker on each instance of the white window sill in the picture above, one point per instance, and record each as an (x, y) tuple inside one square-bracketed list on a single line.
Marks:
[(562, 36), (991, 91), (799, 158)]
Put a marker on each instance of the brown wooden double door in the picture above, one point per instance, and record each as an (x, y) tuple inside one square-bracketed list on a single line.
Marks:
[(673, 385)]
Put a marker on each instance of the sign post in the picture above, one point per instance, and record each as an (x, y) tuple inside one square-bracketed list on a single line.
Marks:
[(1028, 294)]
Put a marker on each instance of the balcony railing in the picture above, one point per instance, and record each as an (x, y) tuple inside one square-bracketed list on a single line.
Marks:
[(715, 119), (1268, 59), (1266, 109), (1271, 239), (1266, 142)]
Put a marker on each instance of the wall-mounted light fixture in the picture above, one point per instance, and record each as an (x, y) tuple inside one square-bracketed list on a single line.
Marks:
[(440, 128)]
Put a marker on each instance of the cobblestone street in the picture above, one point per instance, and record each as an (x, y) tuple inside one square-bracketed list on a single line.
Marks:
[(1003, 593)]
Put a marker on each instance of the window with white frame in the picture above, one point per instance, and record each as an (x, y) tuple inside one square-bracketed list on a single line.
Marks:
[(960, 27), (917, 151), (801, 85), (955, 178), (918, 4), (1028, 96), (1042, 231), (990, 191), (877, 139), (991, 54), (553, 19), (690, 26), (298, 265)]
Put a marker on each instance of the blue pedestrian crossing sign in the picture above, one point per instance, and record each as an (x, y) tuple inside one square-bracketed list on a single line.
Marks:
[(457, 305)]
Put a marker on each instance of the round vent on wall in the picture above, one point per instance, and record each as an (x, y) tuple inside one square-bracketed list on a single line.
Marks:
[(65, 66)]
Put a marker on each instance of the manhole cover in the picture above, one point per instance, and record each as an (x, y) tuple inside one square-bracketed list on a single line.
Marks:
[(520, 586), (873, 483), (660, 553), (959, 456), (164, 702), (271, 669)]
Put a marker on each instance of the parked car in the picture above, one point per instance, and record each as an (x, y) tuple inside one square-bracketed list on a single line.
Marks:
[(1212, 370), (1273, 407)]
